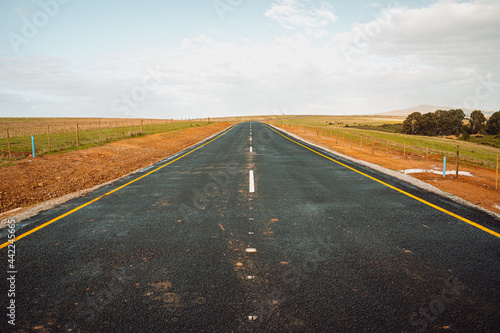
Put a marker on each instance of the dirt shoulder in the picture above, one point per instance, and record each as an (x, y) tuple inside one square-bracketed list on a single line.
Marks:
[(477, 188), (32, 181)]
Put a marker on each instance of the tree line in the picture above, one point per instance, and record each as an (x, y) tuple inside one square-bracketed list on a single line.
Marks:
[(450, 122)]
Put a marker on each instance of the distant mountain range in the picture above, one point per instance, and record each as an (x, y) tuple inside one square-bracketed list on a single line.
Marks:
[(430, 108)]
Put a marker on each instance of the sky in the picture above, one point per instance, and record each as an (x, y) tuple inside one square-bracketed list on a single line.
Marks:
[(209, 58)]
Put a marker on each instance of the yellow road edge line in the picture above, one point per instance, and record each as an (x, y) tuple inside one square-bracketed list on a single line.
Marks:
[(494, 233), (108, 193)]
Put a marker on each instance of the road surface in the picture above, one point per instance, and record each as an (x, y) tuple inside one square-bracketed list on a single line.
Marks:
[(254, 231)]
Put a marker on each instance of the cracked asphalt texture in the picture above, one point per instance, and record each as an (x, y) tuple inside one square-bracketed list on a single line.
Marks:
[(335, 251)]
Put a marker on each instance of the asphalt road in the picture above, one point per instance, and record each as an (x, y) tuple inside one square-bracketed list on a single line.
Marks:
[(309, 246)]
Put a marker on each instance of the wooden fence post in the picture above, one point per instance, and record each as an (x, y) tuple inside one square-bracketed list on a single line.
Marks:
[(8, 143), (427, 158), (496, 178), (141, 127), (48, 137), (404, 156), (100, 137), (458, 160), (77, 135)]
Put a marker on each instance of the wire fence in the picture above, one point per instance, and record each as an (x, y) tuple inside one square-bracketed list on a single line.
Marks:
[(62, 134), (457, 157)]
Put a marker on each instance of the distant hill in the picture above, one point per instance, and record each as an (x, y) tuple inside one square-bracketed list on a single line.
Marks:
[(429, 108)]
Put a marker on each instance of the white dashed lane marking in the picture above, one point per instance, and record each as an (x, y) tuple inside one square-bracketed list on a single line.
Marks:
[(251, 187)]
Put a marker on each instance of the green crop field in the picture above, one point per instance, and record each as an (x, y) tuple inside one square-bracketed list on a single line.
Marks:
[(341, 121), (478, 154), (63, 134)]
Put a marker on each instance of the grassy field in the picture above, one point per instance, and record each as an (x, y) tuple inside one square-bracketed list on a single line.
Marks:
[(342, 121), (65, 134), (472, 152), (61, 134)]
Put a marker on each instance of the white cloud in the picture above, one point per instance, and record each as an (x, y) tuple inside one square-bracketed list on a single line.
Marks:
[(448, 33), (443, 52), (293, 15), (437, 55)]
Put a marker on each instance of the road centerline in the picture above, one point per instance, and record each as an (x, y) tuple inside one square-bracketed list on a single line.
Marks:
[(251, 186)]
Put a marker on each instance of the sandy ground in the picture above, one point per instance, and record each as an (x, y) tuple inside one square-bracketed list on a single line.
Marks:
[(32, 181), (478, 189)]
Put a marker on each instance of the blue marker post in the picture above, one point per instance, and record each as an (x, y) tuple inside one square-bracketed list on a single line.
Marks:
[(33, 145), (444, 166)]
